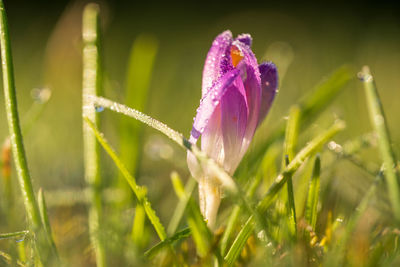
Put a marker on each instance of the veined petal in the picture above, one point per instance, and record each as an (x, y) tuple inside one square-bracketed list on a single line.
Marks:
[(217, 56), (234, 116), (210, 101), (269, 85)]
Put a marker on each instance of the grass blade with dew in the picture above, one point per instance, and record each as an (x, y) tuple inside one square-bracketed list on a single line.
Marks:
[(91, 84), (219, 173), (42, 245), (289, 145), (378, 121), (349, 150), (182, 204), (140, 192), (313, 194), (14, 234), (310, 106), (306, 152), (200, 232)]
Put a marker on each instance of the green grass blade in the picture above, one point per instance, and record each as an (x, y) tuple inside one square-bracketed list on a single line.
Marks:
[(291, 205), (18, 234), (45, 220), (378, 121), (138, 227), (313, 194), (182, 234), (200, 232), (289, 145), (234, 217), (140, 67), (91, 84), (140, 192), (182, 204), (324, 93), (43, 247), (306, 152)]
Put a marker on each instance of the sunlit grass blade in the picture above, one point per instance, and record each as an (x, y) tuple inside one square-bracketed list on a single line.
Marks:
[(138, 227), (310, 106), (378, 121), (313, 194), (289, 145), (182, 234), (182, 204), (42, 245), (263, 205), (200, 232), (140, 192), (45, 220), (91, 84)]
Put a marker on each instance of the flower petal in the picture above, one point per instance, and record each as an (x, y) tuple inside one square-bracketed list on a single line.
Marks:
[(234, 115), (252, 83), (217, 56), (269, 85), (210, 101), (245, 38)]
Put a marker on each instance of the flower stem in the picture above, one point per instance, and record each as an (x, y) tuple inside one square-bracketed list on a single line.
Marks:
[(42, 247), (378, 121), (92, 85)]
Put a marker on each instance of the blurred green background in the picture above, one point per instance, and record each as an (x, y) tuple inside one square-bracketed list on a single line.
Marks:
[(307, 42)]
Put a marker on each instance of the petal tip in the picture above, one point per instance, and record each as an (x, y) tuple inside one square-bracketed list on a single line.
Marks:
[(245, 38)]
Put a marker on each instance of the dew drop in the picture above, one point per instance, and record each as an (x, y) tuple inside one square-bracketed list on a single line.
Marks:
[(99, 108)]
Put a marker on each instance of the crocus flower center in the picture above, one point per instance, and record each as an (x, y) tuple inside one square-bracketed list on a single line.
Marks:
[(236, 55)]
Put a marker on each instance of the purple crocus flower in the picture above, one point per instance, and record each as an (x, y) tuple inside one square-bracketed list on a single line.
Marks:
[(236, 96)]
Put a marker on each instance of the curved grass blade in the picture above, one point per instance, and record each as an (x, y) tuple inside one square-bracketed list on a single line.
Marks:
[(42, 246), (263, 205), (140, 192), (378, 121), (313, 194)]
